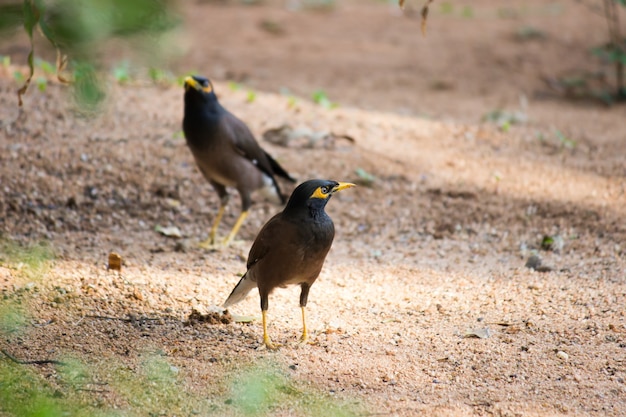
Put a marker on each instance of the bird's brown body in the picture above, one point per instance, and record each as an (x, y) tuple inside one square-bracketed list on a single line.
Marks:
[(291, 248), (226, 152)]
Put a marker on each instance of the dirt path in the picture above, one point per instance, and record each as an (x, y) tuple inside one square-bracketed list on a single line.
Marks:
[(427, 256)]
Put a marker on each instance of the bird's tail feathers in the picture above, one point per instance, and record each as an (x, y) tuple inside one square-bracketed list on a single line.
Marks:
[(241, 290), (278, 170)]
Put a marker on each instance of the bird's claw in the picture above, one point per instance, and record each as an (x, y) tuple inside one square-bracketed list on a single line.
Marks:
[(269, 344), (304, 340), (209, 244)]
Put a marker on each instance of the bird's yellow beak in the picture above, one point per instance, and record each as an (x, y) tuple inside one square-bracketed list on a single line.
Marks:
[(190, 82), (343, 186)]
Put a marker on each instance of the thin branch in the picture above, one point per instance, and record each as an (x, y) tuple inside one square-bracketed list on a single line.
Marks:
[(22, 362), (97, 391), (131, 319)]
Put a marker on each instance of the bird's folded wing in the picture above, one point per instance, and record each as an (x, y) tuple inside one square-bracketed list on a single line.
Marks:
[(246, 145)]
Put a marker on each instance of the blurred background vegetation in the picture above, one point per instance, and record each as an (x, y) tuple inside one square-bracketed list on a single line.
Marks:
[(80, 31)]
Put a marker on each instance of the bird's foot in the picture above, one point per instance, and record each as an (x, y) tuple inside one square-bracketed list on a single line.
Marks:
[(304, 340), (234, 243), (209, 244), (269, 344)]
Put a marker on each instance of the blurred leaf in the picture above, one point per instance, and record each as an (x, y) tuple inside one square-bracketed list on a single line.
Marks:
[(47, 67), (159, 76), (292, 102), (504, 119), (121, 72), (467, 12), (18, 76), (42, 83), (79, 27), (88, 91), (233, 86), (365, 178), (251, 96), (565, 141), (320, 97), (446, 7), (11, 17)]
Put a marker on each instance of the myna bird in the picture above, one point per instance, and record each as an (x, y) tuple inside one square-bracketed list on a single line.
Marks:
[(227, 153), (291, 248)]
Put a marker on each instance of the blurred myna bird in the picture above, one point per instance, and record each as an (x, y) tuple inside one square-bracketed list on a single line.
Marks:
[(291, 248), (227, 153)]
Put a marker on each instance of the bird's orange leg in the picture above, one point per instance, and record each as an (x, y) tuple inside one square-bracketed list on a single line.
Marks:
[(266, 338), (305, 335), (210, 242), (236, 228)]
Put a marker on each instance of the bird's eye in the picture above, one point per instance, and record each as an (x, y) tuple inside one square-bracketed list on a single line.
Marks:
[(325, 189)]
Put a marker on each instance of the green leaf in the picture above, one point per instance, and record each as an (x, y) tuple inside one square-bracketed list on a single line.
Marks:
[(121, 72), (547, 242), (320, 97), (88, 90), (365, 178), (233, 86), (10, 17), (42, 83)]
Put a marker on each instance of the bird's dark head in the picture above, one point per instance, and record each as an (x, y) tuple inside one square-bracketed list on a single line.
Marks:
[(199, 88), (314, 194)]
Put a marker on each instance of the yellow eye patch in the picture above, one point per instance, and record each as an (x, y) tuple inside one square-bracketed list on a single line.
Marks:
[(319, 193)]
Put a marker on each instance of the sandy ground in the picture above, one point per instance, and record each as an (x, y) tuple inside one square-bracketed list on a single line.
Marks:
[(428, 255)]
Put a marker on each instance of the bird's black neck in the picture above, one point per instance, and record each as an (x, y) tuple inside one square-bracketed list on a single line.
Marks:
[(308, 213), (201, 119)]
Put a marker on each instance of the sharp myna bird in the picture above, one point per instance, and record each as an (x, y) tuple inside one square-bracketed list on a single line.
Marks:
[(291, 248), (227, 153)]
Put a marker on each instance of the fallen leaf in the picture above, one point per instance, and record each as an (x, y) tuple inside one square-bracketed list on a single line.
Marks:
[(170, 231), (484, 333)]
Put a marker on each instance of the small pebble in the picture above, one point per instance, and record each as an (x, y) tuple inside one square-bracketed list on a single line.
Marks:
[(562, 355)]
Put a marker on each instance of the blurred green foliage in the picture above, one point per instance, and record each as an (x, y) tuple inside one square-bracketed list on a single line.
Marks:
[(31, 261), (79, 29), (263, 388), (320, 97)]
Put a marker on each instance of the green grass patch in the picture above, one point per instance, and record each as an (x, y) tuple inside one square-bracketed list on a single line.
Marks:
[(263, 388), (31, 261)]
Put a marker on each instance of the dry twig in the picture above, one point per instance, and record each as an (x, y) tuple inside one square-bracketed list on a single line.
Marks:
[(37, 362)]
